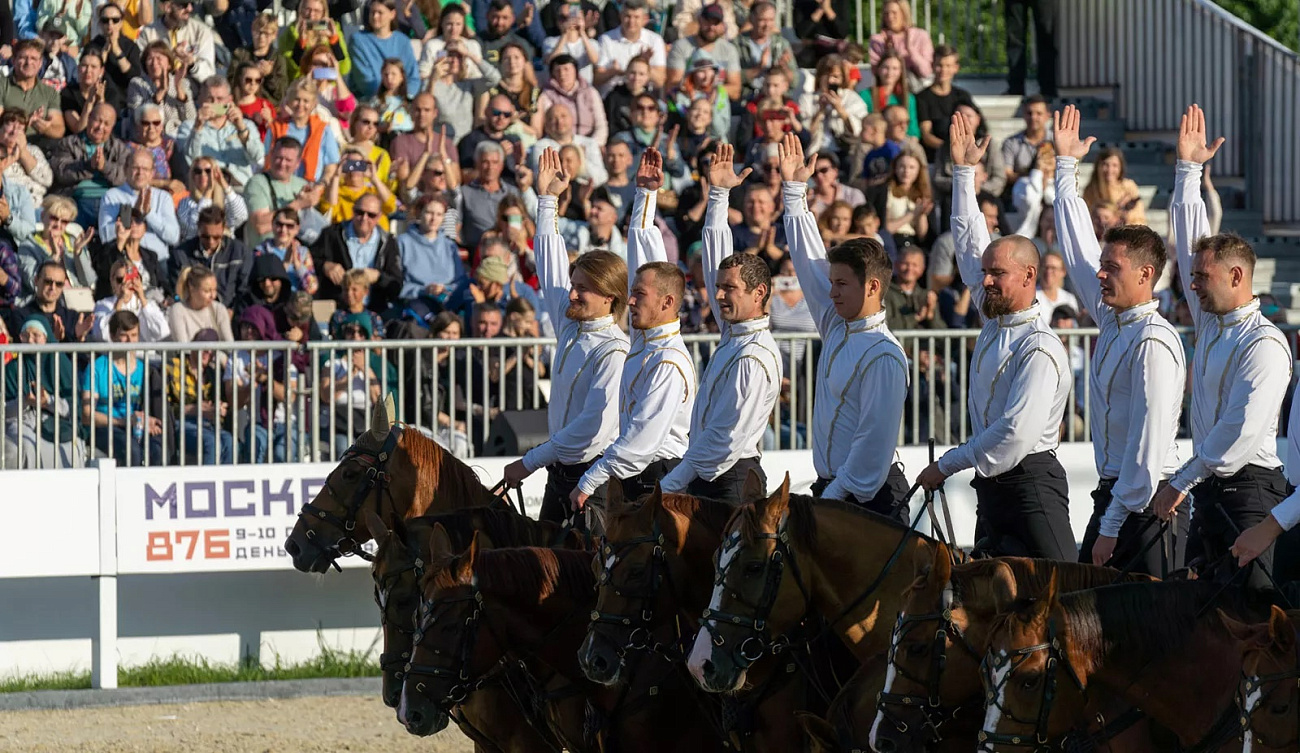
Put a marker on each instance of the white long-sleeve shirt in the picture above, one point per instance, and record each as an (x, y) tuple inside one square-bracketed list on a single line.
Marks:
[(657, 391), (1287, 512), (1020, 376), (861, 377), (1241, 367), (1138, 370), (587, 364), (742, 381)]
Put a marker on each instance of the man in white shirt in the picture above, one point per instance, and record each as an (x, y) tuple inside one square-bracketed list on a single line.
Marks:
[(1052, 293), (154, 204), (191, 40), (862, 375), (586, 301), (658, 385), (1019, 385), (630, 40), (743, 378), (1138, 370), (1240, 373)]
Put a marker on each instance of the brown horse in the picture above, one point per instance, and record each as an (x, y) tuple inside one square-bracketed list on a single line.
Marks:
[(392, 470), (1269, 698), (491, 717), (786, 557), (933, 678), (485, 610), (1159, 646), (652, 570)]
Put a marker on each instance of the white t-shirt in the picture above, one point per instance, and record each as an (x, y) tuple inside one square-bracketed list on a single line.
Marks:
[(617, 52), (1047, 306)]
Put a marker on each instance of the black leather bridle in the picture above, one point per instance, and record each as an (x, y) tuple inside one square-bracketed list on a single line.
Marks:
[(463, 682), (1251, 683), (377, 479), (640, 628), (1038, 741)]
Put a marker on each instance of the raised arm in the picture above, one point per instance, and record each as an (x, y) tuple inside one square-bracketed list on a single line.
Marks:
[(717, 240), (548, 246), (645, 243), (807, 251), (1079, 243), (969, 231), (1188, 220)]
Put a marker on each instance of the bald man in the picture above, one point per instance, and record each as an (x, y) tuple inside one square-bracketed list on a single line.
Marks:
[(1019, 385)]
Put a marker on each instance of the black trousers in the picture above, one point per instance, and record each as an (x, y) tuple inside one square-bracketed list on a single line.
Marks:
[(1025, 512), (1247, 496), (644, 482), (1017, 19), (729, 487), (560, 483), (890, 501), (1138, 530)]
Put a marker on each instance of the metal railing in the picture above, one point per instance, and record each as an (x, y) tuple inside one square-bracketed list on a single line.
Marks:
[(255, 402)]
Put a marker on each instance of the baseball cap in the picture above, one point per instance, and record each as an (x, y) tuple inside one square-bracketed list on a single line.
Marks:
[(713, 12), (700, 59)]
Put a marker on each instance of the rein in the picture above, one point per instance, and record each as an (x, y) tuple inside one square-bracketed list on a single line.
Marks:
[(377, 479)]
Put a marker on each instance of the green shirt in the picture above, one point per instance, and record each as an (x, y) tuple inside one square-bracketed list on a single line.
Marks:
[(12, 97), (263, 193)]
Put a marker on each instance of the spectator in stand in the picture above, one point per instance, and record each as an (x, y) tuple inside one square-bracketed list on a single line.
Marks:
[(621, 189), (129, 297), (758, 221), (348, 385), (358, 177), (575, 40), (335, 102), (768, 116), (827, 188), (1105, 215), (908, 305), (501, 29), (228, 258), (154, 204), (159, 84), (40, 431), (168, 158), (621, 101), (519, 85), (121, 55), (1017, 19), (22, 164), (198, 307), (431, 261), (518, 369), (943, 250), (262, 61), (126, 247), (455, 92), (908, 203), (835, 223), (297, 119), (260, 382), (822, 24), (567, 89), (890, 88), (865, 221), (361, 244), (936, 104), (763, 49), (364, 131), (55, 243), (191, 40), (63, 324), (418, 154), (89, 89), (12, 280), (379, 42), (281, 188), (710, 38), (834, 111), (495, 127), (356, 290), (1051, 291), (221, 132), (196, 397), (268, 286), (251, 97), (1034, 194), (482, 196), (881, 151), (23, 90), (58, 66), (113, 401), (515, 230), (647, 118), (622, 46), (208, 188), (558, 132), (600, 232), (1020, 152), (66, 18), (391, 103), (686, 14), (1110, 183), (701, 93), (898, 124), (451, 28), (294, 256), (994, 168), (912, 45), (17, 212), (313, 27)]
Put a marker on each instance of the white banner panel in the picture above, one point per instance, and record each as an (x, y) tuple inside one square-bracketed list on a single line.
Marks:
[(51, 519)]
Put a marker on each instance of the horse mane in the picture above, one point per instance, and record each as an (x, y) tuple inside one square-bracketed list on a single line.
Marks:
[(709, 512), (1033, 575), (527, 574), (440, 473), (801, 522)]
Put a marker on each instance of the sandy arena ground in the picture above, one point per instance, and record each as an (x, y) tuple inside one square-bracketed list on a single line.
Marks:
[(300, 725)]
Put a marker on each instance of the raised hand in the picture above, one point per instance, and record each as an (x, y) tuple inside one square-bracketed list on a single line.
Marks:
[(966, 149), (794, 168), (650, 173), (551, 178), (1067, 139), (722, 171), (1192, 139)]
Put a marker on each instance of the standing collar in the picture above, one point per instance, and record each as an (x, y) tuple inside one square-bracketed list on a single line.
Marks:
[(596, 325), (662, 332), (866, 323), (1017, 318), (1134, 313), (748, 327), (1239, 314)]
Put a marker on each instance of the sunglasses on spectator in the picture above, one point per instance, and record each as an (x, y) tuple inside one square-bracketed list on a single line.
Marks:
[(53, 283), (368, 122), (282, 223), (438, 173), (203, 170), (151, 122), (502, 114), (119, 280), (110, 19), (353, 331), (364, 213), (251, 80)]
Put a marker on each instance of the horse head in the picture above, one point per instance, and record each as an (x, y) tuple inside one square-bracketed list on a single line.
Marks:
[(1269, 696), (396, 572), (758, 594)]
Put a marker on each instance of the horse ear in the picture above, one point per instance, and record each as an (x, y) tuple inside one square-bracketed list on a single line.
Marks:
[(775, 505), (941, 571), (440, 547), (654, 500), (614, 499), (923, 560), (1244, 632), (1280, 629), (1048, 599), (375, 525), (465, 562), (754, 489), (819, 735), (381, 417)]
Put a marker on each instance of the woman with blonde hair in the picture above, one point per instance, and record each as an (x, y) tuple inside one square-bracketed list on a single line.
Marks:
[(198, 308), (332, 92), (300, 118), (908, 201), (910, 43), (1109, 183), (208, 187), (55, 243), (313, 27)]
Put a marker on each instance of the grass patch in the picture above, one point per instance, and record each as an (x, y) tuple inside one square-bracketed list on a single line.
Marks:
[(183, 670)]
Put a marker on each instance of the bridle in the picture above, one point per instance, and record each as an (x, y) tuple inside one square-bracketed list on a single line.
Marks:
[(1251, 683), (396, 662), (930, 704), (377, 479), (458, 674), (1038, 742), (640, 636)]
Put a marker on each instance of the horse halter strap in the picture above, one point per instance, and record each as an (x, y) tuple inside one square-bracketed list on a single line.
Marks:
[(1251, 683), (640, 636), (396, 662), (376, 478), (758, 643), (463, 683), (1039, 741), (930, 703)]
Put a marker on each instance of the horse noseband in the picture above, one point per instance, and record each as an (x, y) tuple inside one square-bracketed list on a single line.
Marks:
[(376, 478), (1039, 741), (640, 636)]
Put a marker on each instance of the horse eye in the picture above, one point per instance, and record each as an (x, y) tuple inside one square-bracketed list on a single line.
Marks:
[(1030, 682), (636, 573), (918, 649), (753, 568), (1280, 709)]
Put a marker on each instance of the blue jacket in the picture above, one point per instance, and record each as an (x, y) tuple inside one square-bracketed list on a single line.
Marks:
[(427, 262)]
